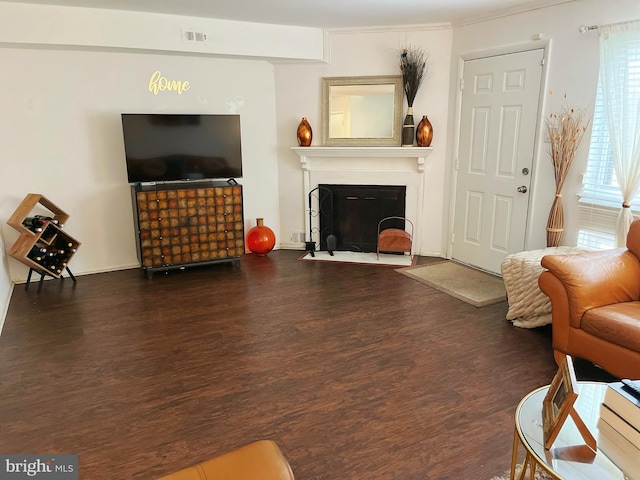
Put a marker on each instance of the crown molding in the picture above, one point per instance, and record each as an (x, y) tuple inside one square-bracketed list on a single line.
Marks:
[(506, 12)]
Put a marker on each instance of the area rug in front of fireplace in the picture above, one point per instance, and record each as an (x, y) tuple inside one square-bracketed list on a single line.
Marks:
[(464, 283), (386, 259)]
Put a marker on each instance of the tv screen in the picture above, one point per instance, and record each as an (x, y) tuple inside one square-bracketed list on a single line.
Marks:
[(171, 147)]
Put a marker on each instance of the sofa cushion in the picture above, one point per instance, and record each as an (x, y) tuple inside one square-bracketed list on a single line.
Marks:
[(618, 323)]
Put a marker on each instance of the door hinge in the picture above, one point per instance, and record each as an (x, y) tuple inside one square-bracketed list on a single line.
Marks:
[(453, 238), (542, 62), (461, 84), (457, 164)]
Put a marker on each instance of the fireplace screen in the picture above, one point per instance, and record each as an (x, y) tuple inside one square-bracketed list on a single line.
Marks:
[(356, 210)]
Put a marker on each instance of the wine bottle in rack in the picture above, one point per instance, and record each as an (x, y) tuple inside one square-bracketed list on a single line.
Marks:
[(45, 218), (49, 233), (34, 224), (37, 254), (52, 260), (64, 246)]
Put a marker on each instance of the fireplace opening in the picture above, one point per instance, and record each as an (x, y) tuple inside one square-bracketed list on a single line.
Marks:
[(354, 211)]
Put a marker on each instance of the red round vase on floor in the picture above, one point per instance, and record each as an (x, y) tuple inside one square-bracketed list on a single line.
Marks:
[(261, 239)]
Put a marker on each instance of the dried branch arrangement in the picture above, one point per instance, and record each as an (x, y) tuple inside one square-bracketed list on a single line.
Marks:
[(565, 130), (414, 63)]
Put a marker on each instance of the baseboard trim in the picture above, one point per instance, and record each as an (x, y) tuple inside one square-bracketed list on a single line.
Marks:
[(291, 246), (5, 310), (80, 274)]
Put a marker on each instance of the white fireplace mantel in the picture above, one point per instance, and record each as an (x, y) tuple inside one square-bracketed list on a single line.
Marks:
[(417, 153), (374, 165)]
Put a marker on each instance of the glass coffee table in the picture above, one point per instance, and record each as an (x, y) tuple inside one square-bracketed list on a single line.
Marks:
[(569, 457)]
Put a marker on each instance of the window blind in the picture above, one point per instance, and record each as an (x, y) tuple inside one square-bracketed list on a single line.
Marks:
[(596, 226)]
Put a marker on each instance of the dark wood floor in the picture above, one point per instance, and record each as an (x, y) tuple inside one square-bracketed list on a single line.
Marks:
[(356, 371)]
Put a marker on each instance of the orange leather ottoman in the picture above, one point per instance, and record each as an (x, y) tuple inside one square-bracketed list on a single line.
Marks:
[(260, 460)]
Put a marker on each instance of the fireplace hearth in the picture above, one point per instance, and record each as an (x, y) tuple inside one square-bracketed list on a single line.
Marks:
[(354, 211)]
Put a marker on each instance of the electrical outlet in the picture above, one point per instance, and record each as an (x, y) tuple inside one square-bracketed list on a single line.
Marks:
[(297, 237)]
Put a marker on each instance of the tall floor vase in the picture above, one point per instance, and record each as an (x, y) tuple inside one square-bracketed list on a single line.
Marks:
[(261, 239), (555, 222), (408, 129)]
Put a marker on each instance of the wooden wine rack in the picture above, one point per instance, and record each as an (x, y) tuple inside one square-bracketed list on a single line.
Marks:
[(185, 224), (51, 237)]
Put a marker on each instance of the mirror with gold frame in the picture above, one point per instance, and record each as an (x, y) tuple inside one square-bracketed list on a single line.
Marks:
[(362, 111)]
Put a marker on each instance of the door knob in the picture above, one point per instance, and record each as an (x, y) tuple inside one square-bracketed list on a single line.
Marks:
[(522, 189)]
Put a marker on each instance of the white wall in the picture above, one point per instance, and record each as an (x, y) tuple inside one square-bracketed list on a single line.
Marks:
[(572, 69), (299, 94), (61, 136)]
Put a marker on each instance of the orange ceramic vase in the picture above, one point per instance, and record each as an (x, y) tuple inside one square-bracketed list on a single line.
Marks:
[(305, 134), (261, 238), (424, 132)]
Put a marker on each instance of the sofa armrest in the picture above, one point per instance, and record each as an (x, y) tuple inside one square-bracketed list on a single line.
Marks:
[(592, 279), (560, 318), (259, 460)]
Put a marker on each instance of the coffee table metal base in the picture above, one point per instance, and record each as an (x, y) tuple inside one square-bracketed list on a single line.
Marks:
[(530, 462)]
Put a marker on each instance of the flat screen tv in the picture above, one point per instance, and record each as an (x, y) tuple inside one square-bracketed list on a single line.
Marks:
[(174, 147)]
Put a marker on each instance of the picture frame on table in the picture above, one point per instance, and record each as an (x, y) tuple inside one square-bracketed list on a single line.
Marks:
[(558, 405)]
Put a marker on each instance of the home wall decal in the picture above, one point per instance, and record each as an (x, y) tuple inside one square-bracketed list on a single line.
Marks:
[(158, 83)]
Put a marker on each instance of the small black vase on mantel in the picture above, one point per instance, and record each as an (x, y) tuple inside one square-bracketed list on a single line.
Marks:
[(408, 129)]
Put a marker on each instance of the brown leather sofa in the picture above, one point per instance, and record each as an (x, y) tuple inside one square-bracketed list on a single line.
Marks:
[(595, 305), (260, 460)]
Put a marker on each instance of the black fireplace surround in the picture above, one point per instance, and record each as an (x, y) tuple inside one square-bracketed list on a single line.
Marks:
[(355, 212)]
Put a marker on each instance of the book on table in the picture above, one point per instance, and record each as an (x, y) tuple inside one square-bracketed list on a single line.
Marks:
[(620, 400), (620, 425), (619, 450)]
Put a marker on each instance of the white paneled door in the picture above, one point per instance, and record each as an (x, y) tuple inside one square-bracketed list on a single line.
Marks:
[(499, 117)]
